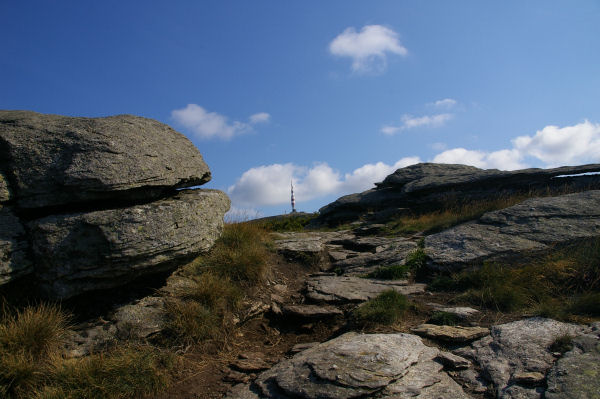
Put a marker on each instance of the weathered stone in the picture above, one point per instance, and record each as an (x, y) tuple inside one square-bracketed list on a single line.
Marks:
[(55, 160), (527, 379), (88, 251), (357, 365), (141, 319), (462, 312), (531, 227), (453, 362), (4, 191), (429, 186), (336, 289), (456, 334), (312, 311), (577, 374), (251, 365), (302, 347), (515, 348), (391, 251), (14, 261)]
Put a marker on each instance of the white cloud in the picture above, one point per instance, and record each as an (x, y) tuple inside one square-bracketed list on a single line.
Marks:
[(261, 117), (553, 146), (208, 125), (367, 48), (503, 159), (270, 184), (446, 103), (411, 122)]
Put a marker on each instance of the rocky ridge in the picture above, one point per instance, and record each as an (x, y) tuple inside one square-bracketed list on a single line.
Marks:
[(428, 186)]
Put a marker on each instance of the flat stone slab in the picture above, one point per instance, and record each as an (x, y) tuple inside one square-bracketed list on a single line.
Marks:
[(312, 311), (531, 227), (450, 333), (357, 365), (343, 289), (462, 312)]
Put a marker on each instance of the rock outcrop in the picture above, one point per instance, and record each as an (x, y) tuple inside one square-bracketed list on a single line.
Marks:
[(93, 203), (428, 186), (531, 227), (357, 365)]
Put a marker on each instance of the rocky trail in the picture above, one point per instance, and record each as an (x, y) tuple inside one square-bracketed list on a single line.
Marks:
[(303, 343)]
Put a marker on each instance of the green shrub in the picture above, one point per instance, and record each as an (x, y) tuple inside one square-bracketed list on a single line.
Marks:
[(387, 308), (444, 319), (394, 272)]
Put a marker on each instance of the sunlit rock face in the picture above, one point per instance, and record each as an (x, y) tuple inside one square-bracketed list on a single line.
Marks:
[(92, 203)]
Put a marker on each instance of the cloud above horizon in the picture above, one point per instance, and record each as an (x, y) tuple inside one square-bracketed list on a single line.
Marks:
[(270, 184), (445, 103), (553, 146), (411, 122), (207, 125), (368, 48)]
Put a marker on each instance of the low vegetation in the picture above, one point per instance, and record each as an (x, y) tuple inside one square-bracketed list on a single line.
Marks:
[(237, 262), (292, 222), (32, 364), (387, 308), (444, 319), (413, 266), (450, 215), (563, 284)]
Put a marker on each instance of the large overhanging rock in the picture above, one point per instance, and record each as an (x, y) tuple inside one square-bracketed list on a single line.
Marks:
[(428, 186), (531, 227), (14, 262), (52, 160), (107, 248)]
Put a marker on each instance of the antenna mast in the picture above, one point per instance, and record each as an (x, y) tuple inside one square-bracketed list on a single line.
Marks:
[(293, 199)]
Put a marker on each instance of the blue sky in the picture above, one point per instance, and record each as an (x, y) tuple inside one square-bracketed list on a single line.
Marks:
[(334, 95)]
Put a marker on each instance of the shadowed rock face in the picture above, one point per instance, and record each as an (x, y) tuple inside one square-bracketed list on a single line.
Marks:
[(428, 186), (52, 160), (92, 203)]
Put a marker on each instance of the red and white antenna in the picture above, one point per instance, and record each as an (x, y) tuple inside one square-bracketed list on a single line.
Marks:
[(293, 199)]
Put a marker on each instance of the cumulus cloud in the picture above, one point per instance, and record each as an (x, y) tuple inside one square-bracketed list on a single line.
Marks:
[(368, 48), (261, 117), (270, 184), (562, 146), (446, 103), (552, 146), (411, 122), (208, 125)]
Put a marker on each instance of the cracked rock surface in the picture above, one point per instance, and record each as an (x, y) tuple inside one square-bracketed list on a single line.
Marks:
[(357, 365)]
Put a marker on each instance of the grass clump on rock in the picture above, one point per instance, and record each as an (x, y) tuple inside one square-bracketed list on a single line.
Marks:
[(387, 308), (444, 319), (32, 364), (560, 285), (237, 262)]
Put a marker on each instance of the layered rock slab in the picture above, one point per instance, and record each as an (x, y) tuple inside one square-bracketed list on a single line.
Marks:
[(515, 349), (102, 249), (344, 289), (533, 226), (52, 160), (357, 365)]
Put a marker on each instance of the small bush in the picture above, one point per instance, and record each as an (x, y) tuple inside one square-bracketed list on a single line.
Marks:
[(191, 322), (394, 272), (387, 308), (444, 319), (561, 344)]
